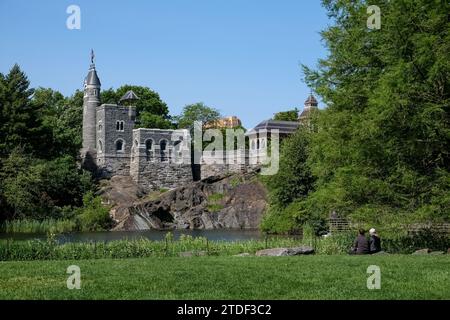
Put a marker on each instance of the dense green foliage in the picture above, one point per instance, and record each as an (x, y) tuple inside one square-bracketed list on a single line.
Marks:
[(50, 249), (197, 112), (42, 185), (290, 186), (339, 243), (290, 115), (45, 226), (93, 216), (247, 278), (381, 152), (38, 149)]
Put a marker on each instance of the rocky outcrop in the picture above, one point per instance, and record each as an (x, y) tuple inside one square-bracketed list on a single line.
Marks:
[(234, 201), (422, 251), (428, 252), (278, 252)]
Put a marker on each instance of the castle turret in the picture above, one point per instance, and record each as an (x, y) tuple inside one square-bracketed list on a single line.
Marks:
[(311, 105), (91, 101)]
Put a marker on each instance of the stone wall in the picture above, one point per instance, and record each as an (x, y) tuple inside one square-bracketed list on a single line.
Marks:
[(158, 175), (160, 159), (110, 165), (219, 163)]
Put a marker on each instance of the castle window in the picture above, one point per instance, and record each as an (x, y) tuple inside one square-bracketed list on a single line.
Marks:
[(100, 146), (100, 127), (148, 149), (163, 145), (149, 144), (162, 150), (119, 145), (119, 125)]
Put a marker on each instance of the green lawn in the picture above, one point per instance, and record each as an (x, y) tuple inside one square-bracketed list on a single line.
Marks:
[(302, 277)]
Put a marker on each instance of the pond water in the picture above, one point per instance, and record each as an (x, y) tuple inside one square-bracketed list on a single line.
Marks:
[(219, 234)]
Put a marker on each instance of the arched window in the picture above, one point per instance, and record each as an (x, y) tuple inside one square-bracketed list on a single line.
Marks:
[(163, 145), (100, 146), (149, 144), (148, 148), (119, 125), (162, 150), (119, 145), (100, 127)]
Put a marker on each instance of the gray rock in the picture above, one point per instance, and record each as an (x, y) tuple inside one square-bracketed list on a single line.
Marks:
[(188, 254), (422, 251), (274, 252), (278, 252), (436, 253), (245, 254), (300, 250), (380, 253)]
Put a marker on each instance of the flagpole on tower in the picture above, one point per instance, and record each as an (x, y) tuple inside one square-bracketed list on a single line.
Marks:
[(92, 56)]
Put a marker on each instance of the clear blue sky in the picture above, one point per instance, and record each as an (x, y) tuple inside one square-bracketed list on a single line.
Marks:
[(239, 56)]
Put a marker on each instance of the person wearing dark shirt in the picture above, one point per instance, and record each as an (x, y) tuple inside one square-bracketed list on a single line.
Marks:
[(375, 241), (361, 244)]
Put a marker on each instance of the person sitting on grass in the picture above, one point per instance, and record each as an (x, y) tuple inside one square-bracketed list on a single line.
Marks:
[(361, 244), (375, 241)]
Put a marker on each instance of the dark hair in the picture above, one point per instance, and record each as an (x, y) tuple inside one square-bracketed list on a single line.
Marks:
[(362, 231)]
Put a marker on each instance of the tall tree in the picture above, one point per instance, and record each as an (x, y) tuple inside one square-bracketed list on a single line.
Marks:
[(22, 123), (197, 112), (383, 149), (290, 115)]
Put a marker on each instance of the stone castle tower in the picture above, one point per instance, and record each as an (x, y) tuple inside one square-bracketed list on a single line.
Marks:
[(91, 100), (112, 146)]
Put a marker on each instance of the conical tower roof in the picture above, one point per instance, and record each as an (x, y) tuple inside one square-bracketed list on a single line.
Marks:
[(311, 101), (129, 96), (92, 77)]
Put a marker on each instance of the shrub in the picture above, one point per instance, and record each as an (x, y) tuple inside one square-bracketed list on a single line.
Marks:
[(93, 216)]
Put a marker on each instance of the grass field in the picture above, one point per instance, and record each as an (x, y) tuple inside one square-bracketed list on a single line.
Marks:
[(301, 277)]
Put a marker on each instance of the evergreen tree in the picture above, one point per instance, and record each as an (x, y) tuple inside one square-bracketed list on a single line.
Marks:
[(382, 151), (21, 123)]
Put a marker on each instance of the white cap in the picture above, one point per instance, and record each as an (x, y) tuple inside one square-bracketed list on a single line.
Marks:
[(372, 231)]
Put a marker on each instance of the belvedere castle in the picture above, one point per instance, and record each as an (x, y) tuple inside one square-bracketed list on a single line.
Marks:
[(157, 158)]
